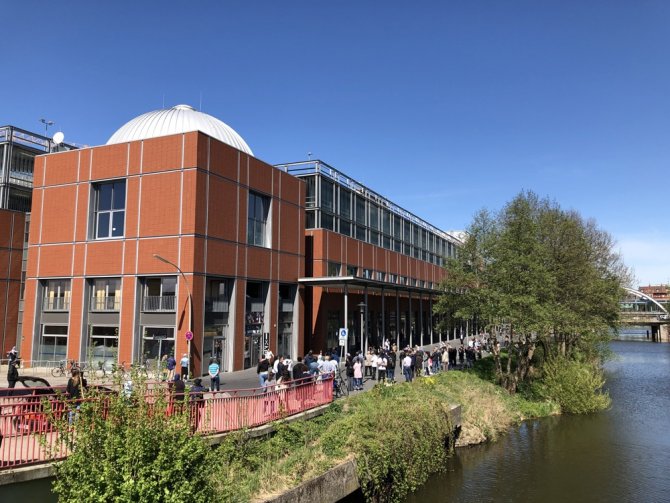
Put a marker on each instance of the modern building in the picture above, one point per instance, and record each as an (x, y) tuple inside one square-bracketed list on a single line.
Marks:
[(18, 149), (12, 235), (173, 230)]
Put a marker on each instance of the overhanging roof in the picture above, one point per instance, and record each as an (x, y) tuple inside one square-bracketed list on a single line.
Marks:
[(357, 281)]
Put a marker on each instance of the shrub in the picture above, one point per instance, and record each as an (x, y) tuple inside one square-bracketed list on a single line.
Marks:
[(575, 385), (127, 450)]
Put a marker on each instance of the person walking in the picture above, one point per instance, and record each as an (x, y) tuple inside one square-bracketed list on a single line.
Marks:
[(170, 364), (184, 367), (13, 373), (214, 380)]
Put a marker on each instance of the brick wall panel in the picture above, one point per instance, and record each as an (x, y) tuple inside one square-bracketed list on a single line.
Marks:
[(58, 214), (109, 161), (159, 214)]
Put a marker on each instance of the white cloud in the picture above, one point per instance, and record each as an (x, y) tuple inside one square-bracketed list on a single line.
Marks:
[(648, 255)]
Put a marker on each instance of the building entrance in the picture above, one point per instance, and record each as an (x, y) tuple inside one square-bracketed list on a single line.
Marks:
[(156, 343)]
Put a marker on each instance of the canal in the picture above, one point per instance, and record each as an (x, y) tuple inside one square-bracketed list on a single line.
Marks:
[(622, 454)]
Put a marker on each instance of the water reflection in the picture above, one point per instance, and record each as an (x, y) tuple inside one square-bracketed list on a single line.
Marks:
[(622, 454)]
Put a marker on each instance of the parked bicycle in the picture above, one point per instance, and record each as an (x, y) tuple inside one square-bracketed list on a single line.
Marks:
[(62, 369), (340, 387)]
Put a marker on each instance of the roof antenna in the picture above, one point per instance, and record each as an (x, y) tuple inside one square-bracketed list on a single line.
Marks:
[(201, 101), (163, 100), (309, 156)]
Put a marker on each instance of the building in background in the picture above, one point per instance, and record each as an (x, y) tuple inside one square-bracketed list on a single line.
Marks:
[(660, 293), (175, 231)]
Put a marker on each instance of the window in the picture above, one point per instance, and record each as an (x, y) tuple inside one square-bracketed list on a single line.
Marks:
[(110, 209), (334, 269), (352, 270), (57, 295), (53, 343), (259, 207), (327, 199), (345, 203), (159, 294), (106, 294)]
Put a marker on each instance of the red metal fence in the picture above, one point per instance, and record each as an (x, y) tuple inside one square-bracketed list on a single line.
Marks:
[(28, 435)]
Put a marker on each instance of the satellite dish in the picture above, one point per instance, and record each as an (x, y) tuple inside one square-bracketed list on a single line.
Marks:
[(58, 138)]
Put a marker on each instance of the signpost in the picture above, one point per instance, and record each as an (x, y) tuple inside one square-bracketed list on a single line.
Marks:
[(265, 343), (343, 336)]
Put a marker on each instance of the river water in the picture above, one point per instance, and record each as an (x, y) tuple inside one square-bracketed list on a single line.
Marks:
[(620, 455)]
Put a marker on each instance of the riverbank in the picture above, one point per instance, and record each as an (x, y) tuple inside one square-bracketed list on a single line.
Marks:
[(399, 435)]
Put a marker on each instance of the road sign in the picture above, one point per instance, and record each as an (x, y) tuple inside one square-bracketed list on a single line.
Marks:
[(343, 334), (189, 335), (266, 342)]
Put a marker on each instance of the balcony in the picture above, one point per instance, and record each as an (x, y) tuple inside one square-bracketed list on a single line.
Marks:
[(105, 303), (56, 304), (158, 303)]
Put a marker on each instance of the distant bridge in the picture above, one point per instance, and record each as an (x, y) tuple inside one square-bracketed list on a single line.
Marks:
[(640, 309)]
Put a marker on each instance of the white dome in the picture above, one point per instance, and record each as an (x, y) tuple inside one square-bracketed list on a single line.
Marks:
[(175, 120)]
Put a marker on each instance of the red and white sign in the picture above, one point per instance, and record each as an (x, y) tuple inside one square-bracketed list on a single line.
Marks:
[(189, 335)]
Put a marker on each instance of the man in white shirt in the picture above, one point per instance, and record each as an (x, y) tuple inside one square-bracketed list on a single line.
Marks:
[(407, 367)]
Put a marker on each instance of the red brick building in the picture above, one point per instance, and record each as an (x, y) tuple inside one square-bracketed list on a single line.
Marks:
[(174, 227), (12, 229), (660, 293)]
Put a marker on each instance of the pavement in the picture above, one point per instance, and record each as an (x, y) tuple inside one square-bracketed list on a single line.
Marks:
[(238, 380)]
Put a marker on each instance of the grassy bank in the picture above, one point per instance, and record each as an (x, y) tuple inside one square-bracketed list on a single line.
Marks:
[(388, 430)]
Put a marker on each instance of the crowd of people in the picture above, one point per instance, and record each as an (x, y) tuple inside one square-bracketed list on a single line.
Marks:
[(376, 364)]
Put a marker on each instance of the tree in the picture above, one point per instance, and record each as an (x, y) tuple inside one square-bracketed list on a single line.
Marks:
[(538, 274)]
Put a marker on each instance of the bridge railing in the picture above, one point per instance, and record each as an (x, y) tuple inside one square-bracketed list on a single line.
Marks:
[(29, 436)]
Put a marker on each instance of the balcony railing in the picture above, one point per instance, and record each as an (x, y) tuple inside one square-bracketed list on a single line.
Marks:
[(159, 303), (56, 304), (105, 303)]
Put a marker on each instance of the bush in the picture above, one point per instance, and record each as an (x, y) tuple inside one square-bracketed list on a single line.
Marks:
[(125, 450), (576, 386)]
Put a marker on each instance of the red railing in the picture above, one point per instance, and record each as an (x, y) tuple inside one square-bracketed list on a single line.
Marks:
[(28, 435)]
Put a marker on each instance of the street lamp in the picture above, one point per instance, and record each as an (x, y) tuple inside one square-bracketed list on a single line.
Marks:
[(190, 303), (362, 307), (47, 123)]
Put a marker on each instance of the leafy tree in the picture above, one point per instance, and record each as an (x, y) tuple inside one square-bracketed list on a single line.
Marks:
[(535, 274)]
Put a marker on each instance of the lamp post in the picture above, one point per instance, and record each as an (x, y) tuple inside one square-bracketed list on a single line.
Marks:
[(190, 303), (362, 307)]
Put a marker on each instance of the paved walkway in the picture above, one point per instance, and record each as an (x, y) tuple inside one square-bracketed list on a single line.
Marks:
[(241, 379)]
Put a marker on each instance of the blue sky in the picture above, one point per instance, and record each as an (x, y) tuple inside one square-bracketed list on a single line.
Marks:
[(444, 107)]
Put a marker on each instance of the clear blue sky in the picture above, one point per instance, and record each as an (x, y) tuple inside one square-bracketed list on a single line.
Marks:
[(444, 107)]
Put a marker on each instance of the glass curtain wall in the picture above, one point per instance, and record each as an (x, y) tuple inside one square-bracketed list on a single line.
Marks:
[(218, 293), (254, 328), (285, 323)]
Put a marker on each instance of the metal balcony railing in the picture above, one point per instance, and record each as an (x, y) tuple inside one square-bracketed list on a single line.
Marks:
[(56, 304), (158, 303), (106, 303)]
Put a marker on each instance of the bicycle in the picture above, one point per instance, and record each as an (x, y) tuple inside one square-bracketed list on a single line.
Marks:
[(62, 369), (340, 387)]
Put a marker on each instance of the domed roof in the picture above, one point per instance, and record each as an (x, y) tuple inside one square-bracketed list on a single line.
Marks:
[(175, 120)]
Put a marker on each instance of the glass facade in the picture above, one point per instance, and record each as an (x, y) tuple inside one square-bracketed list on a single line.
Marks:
[(340, 204), (216, 341)]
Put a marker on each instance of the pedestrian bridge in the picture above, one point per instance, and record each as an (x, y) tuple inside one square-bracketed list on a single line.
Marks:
[(638, 308)]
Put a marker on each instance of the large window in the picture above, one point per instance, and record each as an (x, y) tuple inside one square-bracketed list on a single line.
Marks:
[(104, 345), (259, 207), (109, 209), (159, 294), (57, 295), (106, 294), (53, 343)]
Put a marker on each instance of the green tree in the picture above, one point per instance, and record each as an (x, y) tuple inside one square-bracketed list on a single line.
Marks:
[(538, 275)]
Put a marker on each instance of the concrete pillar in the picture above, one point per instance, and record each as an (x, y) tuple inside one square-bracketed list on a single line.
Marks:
[(664, 333)]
